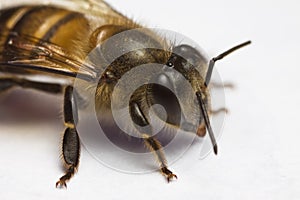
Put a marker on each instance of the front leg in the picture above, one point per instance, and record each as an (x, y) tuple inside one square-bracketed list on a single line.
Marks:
[(154, 146), (139, 117), (71, 142)]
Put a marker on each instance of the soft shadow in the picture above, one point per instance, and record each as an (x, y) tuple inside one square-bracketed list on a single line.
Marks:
[(20, 106)]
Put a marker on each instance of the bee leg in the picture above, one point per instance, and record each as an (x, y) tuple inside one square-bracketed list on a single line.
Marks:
[(8, 83), (139, 118), (154, 146), (71, 142), (215, 112), (222, 85)]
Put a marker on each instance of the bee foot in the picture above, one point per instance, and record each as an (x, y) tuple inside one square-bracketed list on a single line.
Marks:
[(61, 184), (169, 175)]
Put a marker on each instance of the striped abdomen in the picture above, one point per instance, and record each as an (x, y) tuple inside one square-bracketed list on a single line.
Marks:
[(67, 29)]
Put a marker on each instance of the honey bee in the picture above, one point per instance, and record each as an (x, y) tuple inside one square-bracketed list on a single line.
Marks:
[(54, 41)]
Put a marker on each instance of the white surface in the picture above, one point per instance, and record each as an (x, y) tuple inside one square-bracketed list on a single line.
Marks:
[(259, 155)]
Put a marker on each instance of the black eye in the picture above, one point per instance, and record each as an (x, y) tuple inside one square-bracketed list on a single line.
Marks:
[(192, 55)]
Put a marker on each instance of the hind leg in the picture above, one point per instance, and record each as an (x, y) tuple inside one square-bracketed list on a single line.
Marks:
[(71, 142)]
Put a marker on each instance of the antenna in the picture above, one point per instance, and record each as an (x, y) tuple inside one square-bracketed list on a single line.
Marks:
[(219, 57), (207, 122)]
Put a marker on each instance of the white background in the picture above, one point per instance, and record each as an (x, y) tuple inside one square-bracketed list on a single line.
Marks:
[(259, 155)]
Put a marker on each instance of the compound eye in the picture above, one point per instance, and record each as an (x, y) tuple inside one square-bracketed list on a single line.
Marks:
[(192, 55)]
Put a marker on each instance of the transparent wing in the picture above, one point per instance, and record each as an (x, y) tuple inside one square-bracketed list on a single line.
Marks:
[(91, 7), (25, 52)]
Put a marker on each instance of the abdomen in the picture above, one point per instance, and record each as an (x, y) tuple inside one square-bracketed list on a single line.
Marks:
[(51, 24)]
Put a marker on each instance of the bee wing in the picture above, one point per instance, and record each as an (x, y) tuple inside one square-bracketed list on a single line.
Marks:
[(25, 52), (91, 7), (97, 8)]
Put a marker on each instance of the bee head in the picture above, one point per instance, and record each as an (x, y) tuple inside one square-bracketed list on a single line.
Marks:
[(183, 74), (191, 66)]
